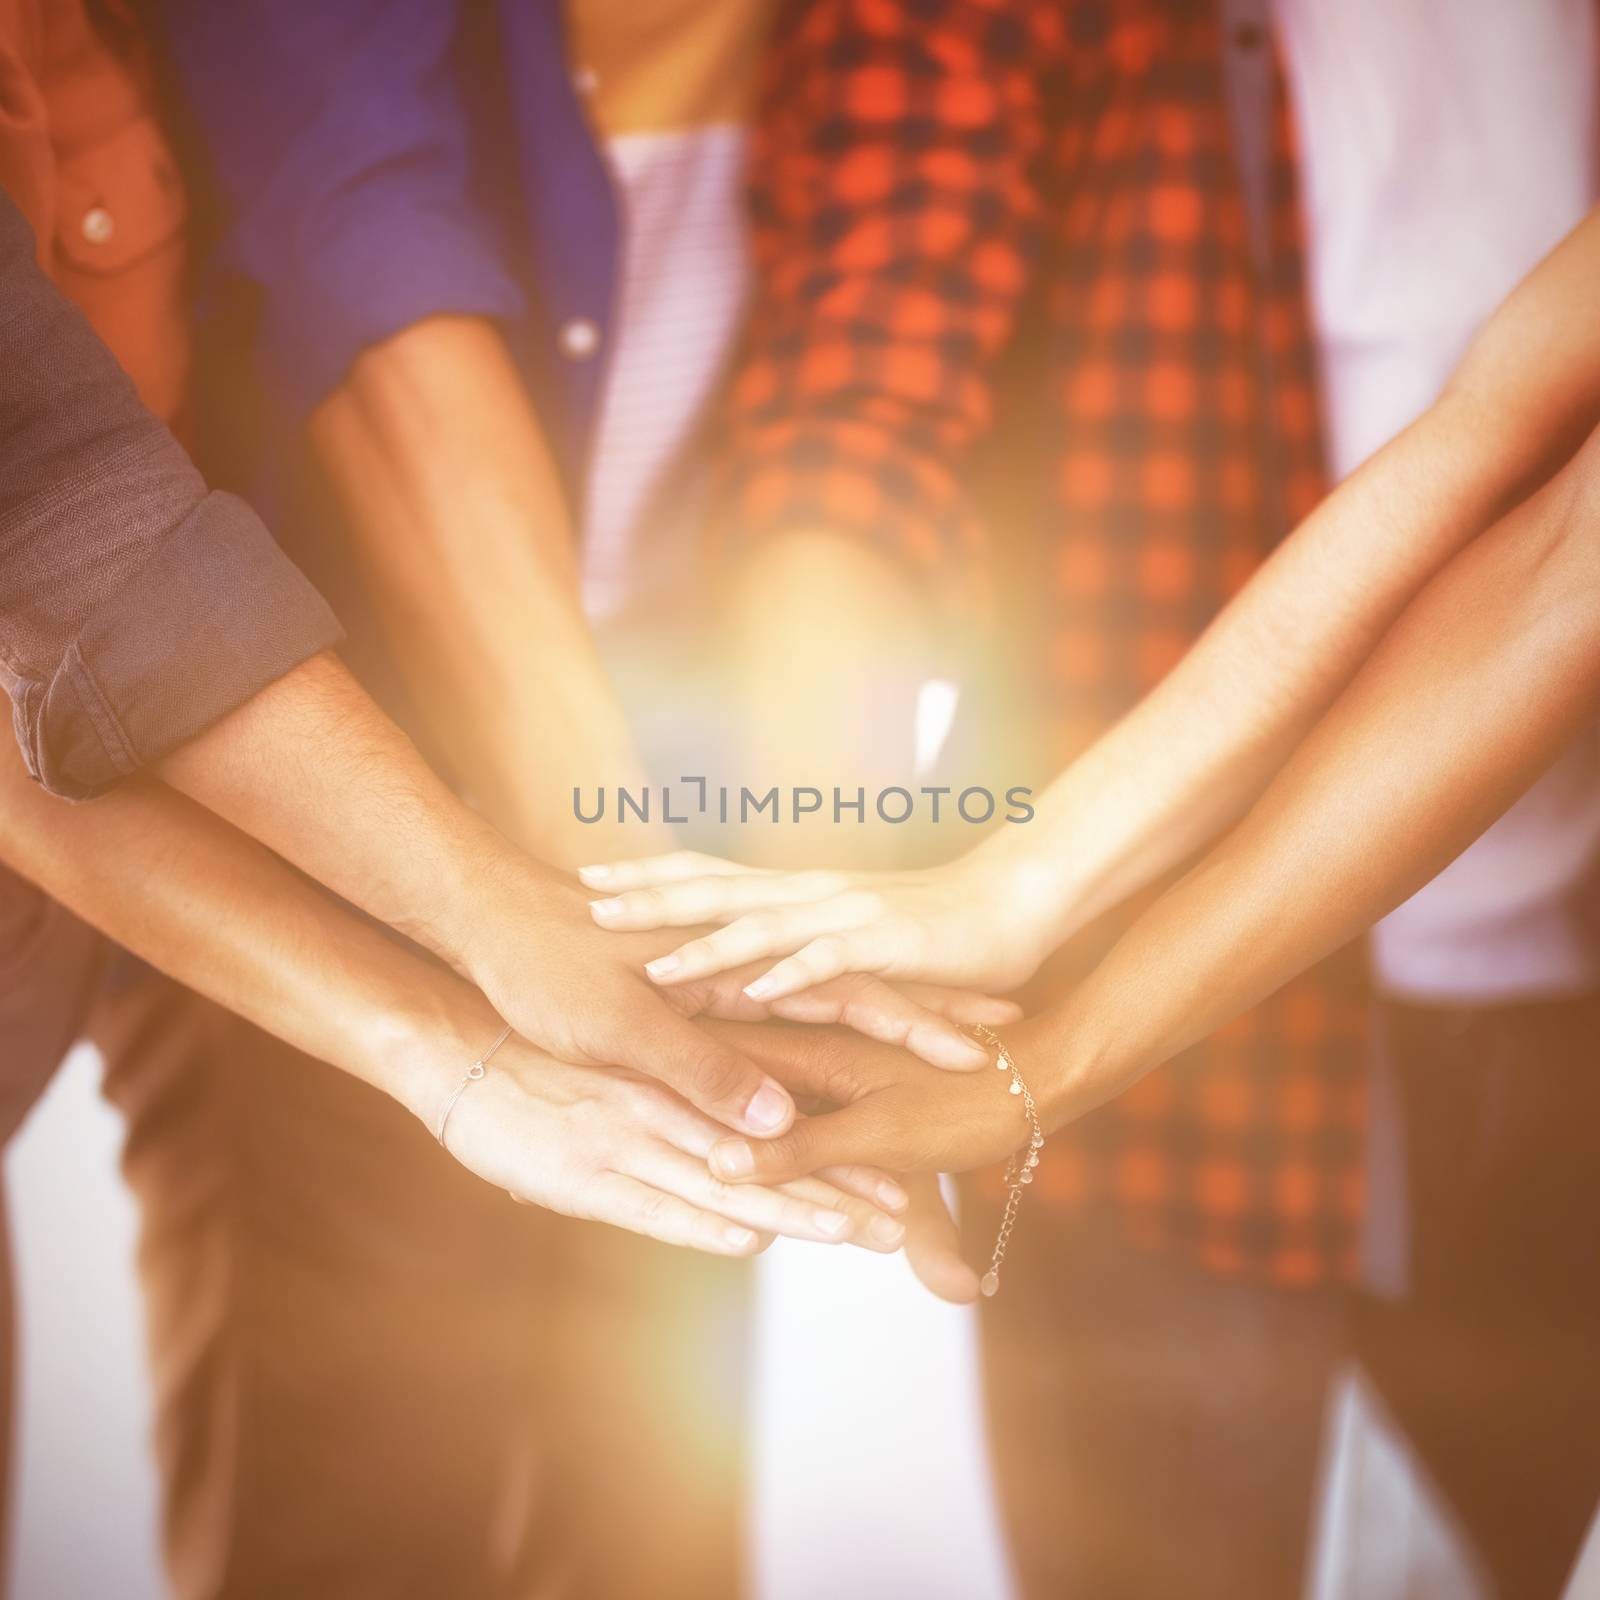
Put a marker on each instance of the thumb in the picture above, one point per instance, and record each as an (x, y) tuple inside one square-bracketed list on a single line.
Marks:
[(933, 1242), (710, 1073)]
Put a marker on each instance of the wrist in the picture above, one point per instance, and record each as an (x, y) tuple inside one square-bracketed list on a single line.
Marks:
[(1068, 1063), (1019, 892), (416, 1047), (467, 909)]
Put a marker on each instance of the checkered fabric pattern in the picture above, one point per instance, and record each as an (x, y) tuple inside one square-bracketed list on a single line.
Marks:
[(896, 226), (938, 183)]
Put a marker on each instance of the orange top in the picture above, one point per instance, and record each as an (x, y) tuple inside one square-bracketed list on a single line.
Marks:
[(84, 158)]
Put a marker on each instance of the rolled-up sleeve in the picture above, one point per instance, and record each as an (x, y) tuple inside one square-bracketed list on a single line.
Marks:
[(136, 607), (338, 138)]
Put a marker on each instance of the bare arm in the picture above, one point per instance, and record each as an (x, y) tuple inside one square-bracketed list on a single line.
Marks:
[(461, 531), (1482, 682), (313, 769), (1195, 754), (1487, 676), (222, 914)]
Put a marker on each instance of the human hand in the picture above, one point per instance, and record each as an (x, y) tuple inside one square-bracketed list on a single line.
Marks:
[(893, 1112), (975, 922), (933, 1242), (580, 994), (610, 1146)]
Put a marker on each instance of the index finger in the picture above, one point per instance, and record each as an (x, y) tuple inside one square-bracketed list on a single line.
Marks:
[(673, 866), (712, 898)]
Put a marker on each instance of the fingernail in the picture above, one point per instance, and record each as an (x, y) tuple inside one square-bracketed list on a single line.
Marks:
[(768, 1109), (893, 1196), (739, 1238), (761, 988), (593, 874), (832, 1223), (885, 1230), (606, 908), (733, 1158), (663, 966)]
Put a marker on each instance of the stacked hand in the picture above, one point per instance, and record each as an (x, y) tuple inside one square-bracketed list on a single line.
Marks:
[(977, 922), (583, 996), (611, 1146), (980, 922), (610, 1104)]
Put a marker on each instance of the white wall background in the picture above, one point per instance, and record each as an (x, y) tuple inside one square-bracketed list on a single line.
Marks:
[(83, 1523)]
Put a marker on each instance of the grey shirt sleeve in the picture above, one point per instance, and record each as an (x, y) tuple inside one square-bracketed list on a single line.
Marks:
[(136, 607)]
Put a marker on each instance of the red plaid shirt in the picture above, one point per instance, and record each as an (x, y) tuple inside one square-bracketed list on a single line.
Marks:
[(1010, 233)]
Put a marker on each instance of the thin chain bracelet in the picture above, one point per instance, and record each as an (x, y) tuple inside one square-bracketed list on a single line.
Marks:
[(1019, 1169), (471, 1075)]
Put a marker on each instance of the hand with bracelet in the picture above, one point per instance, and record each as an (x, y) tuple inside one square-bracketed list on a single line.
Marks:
[(612, 1146), (310, 768), (893, 1111), (1484, 679)]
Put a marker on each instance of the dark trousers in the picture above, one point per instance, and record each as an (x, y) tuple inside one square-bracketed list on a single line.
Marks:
[(1156, 1429), (1491, 1362), (376, 1377)]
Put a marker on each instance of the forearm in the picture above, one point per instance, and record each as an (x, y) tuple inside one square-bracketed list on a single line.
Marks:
[(212, 909), (313, 769), (459, 526), (828, 644), (1195, 754), (1192, 756), (1487, 676)]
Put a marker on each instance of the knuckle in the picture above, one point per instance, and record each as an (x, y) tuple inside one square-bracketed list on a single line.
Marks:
[(858, 1012), (718, 1075), (839, 1083), (642, 902), (794, 1148), (861, 905), (826, 954), (820, 882), (638, 1099), (690, 999), (793, 970), (760, 925)]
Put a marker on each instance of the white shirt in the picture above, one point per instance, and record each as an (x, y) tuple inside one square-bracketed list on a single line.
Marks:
[(1446, 146)]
